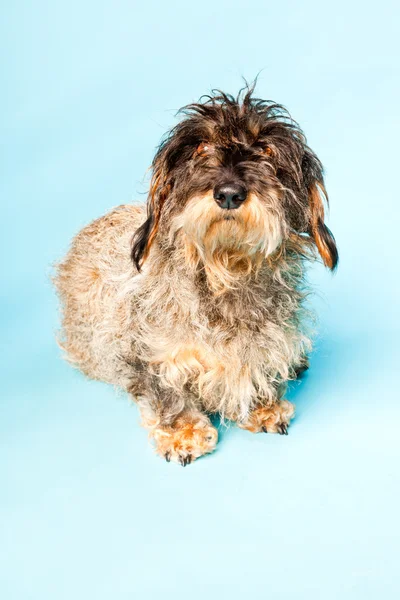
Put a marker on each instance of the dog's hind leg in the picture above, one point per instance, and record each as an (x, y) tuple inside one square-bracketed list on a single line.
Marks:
[(302, 367)]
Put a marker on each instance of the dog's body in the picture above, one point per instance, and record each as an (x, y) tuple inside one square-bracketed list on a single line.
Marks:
[(210, 320)]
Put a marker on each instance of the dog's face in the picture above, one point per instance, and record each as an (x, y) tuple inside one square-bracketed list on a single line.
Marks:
[(236, 179)]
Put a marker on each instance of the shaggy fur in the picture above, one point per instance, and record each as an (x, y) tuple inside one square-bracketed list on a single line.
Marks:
[(209, 317)]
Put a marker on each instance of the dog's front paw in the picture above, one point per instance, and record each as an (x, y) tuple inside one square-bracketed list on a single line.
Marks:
[(185, 441), (270, 419)]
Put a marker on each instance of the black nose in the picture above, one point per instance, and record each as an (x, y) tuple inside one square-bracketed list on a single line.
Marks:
[(229, 195)]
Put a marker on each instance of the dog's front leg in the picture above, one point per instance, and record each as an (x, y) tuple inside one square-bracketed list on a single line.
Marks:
[(188, 437), (270, 418), (180, 431)]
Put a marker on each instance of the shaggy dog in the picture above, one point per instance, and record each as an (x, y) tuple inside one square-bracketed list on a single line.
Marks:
[(202, 312)]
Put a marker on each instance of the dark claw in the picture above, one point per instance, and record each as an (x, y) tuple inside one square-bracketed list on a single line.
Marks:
[(283, 429), (185, 460), (265, 430), (168, 456)]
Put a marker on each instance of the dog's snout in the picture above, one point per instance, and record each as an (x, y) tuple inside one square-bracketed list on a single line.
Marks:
[(230, 195)]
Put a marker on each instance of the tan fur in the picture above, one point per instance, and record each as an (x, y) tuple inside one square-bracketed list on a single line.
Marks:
[(195, 304), (270, 419), (229, 247), (318, 213), (190, 437), (116, 320)]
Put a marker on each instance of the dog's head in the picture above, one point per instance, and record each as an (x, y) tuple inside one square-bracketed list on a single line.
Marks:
[(236, 179)]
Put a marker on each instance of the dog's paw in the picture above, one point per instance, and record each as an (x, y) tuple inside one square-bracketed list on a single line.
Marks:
[(185, 442), (270, 419)]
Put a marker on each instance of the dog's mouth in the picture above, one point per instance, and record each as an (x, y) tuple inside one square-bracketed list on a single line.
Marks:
[(248, 227), (222, 214), (227, 219)]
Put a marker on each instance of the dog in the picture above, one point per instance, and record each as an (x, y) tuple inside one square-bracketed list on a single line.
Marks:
[(195, 304)]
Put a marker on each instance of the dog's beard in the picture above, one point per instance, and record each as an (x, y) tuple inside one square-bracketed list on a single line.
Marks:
[(231, 244)]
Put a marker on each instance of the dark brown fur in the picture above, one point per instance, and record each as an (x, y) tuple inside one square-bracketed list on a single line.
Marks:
[(255, 142), (215, 321)]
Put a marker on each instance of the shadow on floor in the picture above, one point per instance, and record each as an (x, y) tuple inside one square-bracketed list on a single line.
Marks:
[(341, 371)]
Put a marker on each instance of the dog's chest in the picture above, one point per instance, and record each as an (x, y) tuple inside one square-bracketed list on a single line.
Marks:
[(226, 351), (217, 359)]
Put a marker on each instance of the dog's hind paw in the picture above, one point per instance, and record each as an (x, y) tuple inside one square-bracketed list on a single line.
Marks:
[(270, 419), (184, 442)]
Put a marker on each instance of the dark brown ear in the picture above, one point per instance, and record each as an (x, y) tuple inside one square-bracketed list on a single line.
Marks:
[(317, 197), (145, 234), (322, 235)]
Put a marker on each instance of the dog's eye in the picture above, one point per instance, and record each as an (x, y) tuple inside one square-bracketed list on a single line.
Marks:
[(268, 151), (202, 149)]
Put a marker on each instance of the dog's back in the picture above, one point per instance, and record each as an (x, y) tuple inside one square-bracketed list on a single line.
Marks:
[(88, 281)]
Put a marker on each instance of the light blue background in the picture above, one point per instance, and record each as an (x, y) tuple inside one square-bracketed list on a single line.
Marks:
[(87, 510)]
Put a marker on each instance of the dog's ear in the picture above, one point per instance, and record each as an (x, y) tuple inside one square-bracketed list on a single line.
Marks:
[(145, 234), (317, 196)]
